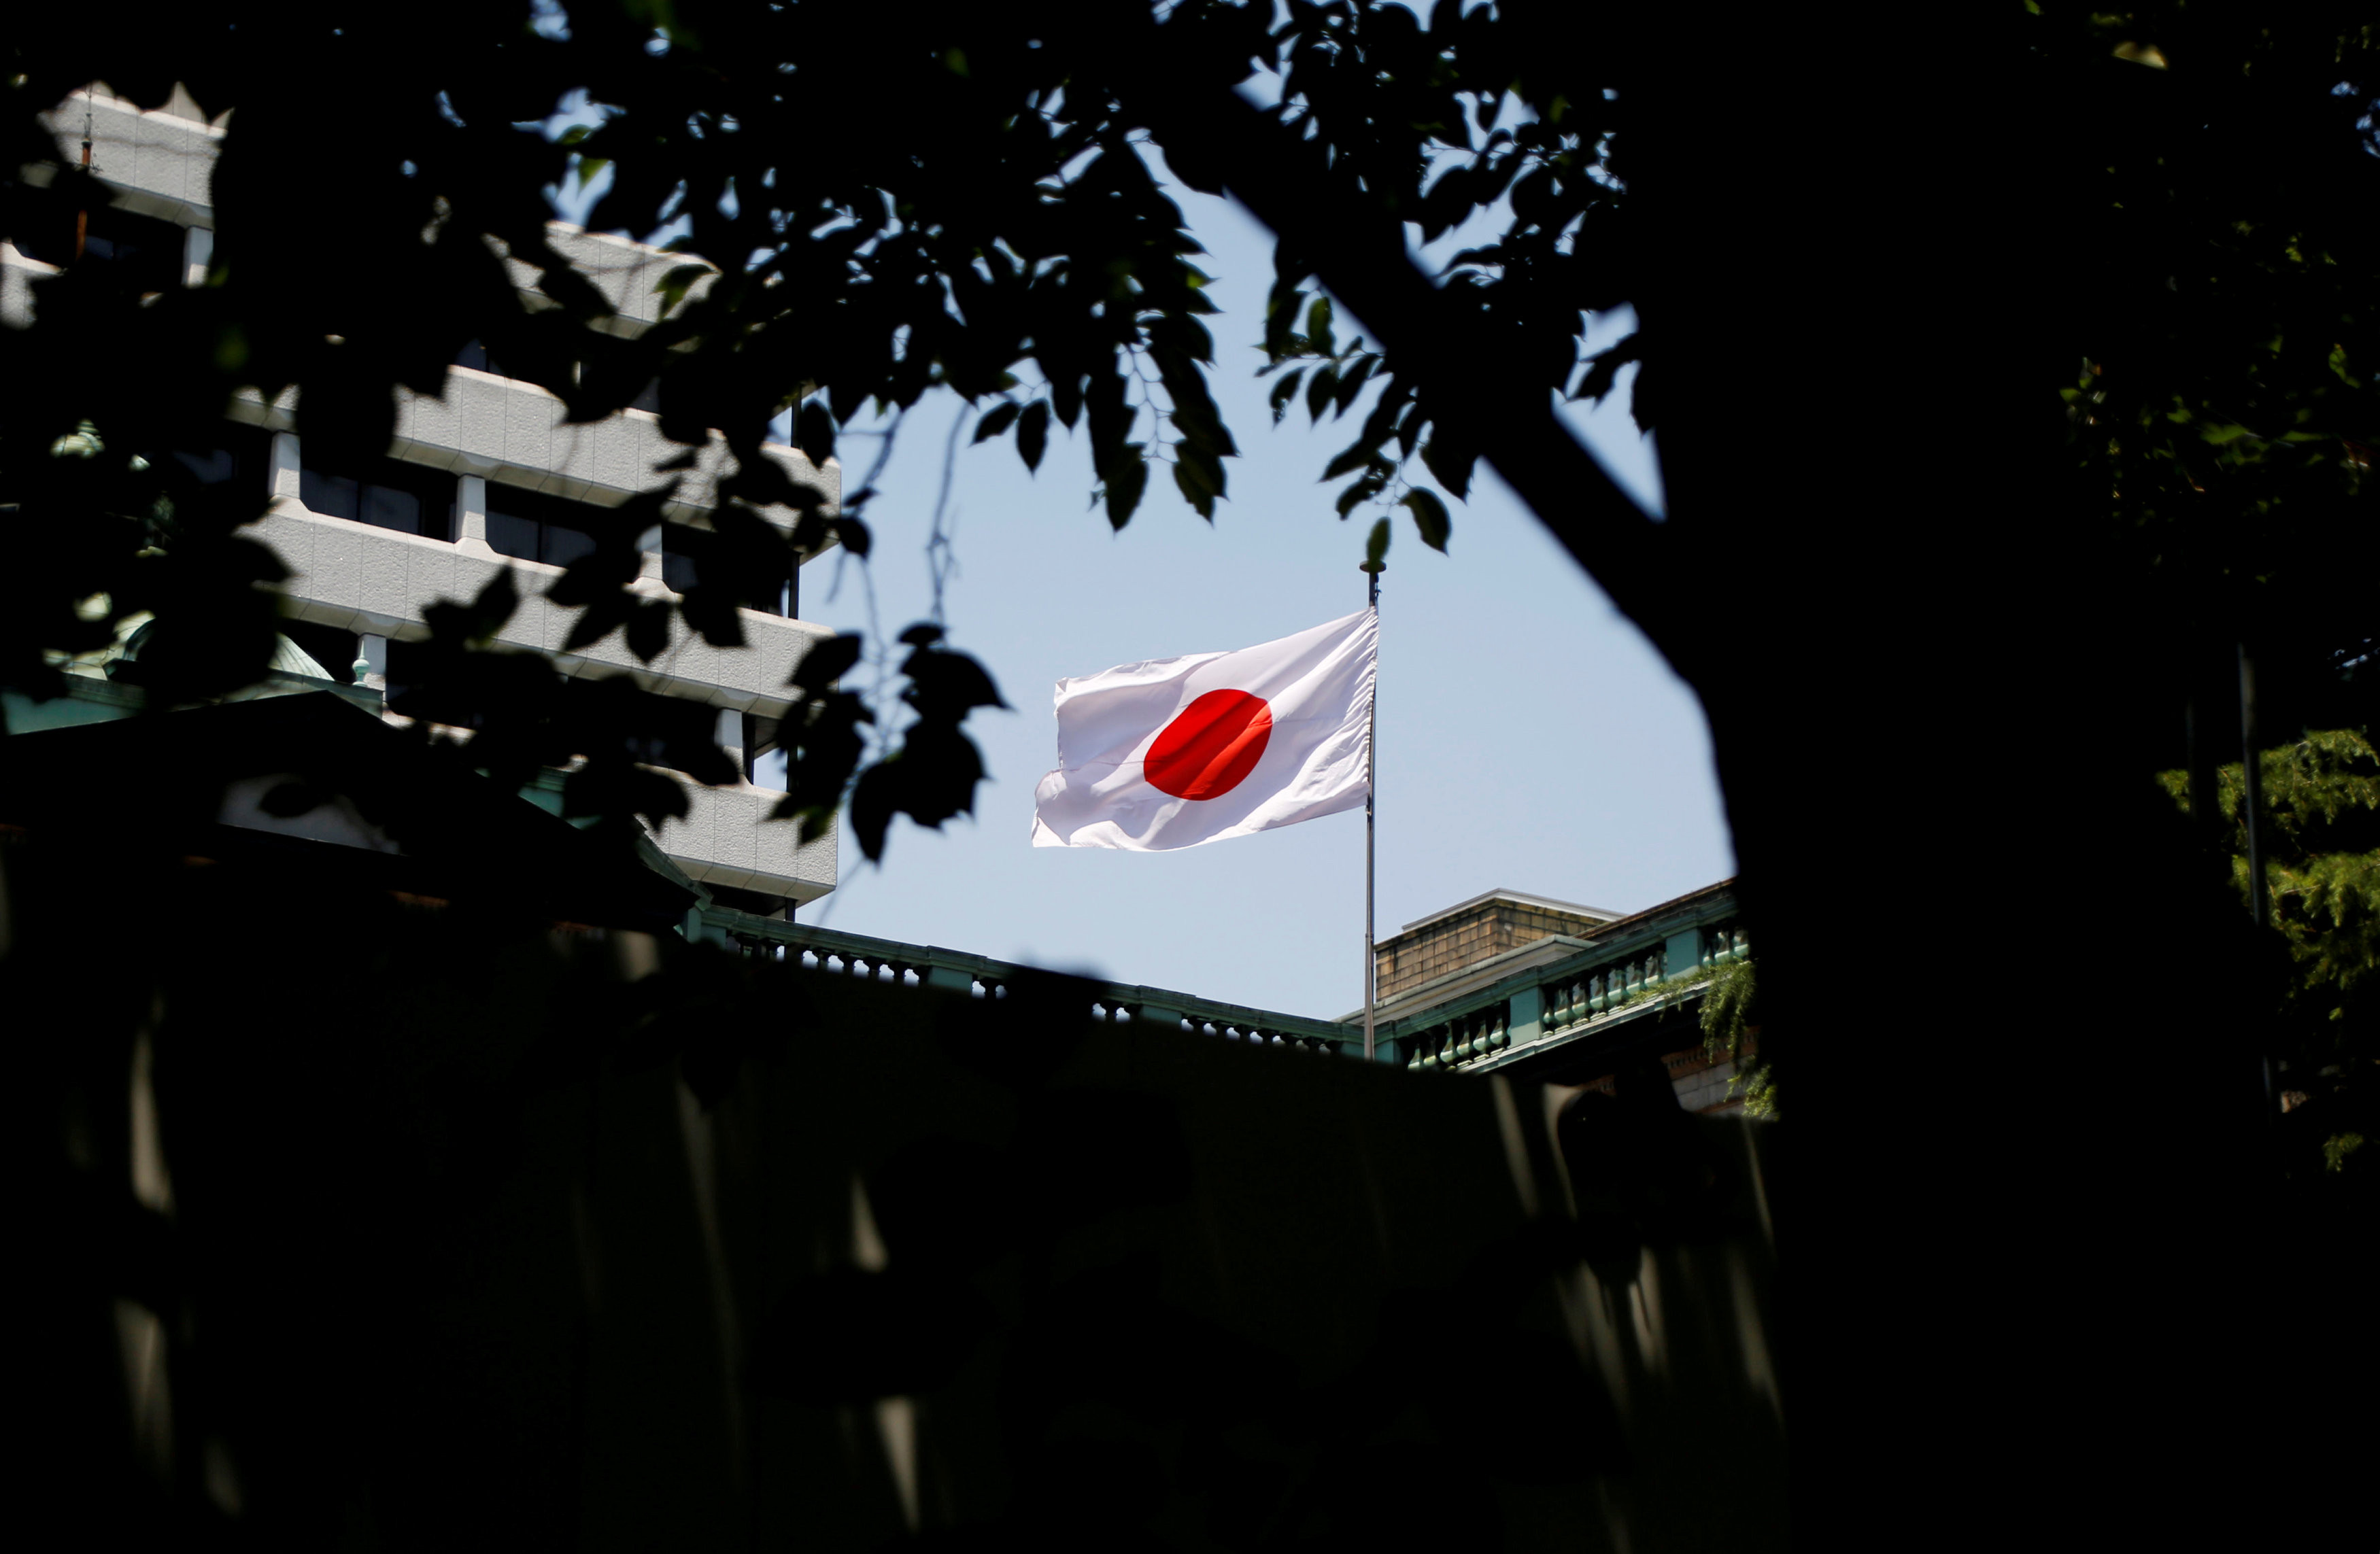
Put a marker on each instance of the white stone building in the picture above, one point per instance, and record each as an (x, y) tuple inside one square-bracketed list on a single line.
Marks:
[(483, 477)]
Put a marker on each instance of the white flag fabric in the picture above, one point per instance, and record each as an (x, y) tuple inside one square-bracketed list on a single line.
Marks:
[(1178, 751)]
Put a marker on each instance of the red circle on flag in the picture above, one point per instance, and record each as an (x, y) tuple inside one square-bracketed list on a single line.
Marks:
[(1211, 746)]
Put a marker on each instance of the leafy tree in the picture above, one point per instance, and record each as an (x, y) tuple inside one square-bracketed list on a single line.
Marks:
[(2320, 838), (1727, 1024)]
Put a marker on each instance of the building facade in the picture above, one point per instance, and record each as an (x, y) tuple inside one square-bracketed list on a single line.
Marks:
[(1535, 989), (1502, 990), (484, 477)]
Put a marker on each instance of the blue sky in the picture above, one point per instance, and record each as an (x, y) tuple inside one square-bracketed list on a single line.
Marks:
[(1529, 737)]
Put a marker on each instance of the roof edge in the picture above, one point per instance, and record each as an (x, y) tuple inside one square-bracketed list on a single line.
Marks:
[(1500, 893)]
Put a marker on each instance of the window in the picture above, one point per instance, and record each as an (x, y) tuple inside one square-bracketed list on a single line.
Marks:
[(475, 355), (240, 455), (765, 758), (386, 494), (536, 527), (149, 252)]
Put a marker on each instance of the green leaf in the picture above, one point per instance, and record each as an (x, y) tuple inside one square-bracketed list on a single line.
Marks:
[(673, 285), (649, 629), (1127, 478), (1353, 383), (947, 685), (1409, 430), (814, 429), (1318, 390), (825, 663), (1376, 546), (996, 420), (604, 613), (1429, 517), (478, 621), (601, 571), (1317, 327), (1350, 458), (1283, 391), (1198, 476), (1033, 433), (1449, 466), (1360, 492)]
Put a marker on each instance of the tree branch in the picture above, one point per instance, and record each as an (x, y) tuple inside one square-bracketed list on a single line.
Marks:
[(1216, 141)]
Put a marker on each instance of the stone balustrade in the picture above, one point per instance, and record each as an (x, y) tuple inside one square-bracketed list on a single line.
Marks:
[(1582, 997), (1463, 1040), (1482, 1030), (851, 954)]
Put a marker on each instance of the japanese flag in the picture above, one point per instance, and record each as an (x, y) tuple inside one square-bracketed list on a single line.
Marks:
[(1178, 751)]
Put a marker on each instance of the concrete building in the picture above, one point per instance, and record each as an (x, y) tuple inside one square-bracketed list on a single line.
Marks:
[(484, 477)]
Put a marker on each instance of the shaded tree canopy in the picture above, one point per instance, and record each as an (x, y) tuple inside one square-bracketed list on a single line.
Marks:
[(2008, 367), (1000, 233)]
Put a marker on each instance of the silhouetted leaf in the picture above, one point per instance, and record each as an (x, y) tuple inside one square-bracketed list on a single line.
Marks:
[(1127, 478), (1033, 433), (999, 419), (1320, 389), (1429, 517), (649, 629), (1449, 467), (823, 662), (948, 684), (1283, 391), (814, 429)]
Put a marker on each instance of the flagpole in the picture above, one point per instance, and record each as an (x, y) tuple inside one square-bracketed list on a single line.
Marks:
[(1371, 728)]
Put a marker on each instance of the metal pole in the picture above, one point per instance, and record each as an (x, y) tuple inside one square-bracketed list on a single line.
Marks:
[(1371, 959)]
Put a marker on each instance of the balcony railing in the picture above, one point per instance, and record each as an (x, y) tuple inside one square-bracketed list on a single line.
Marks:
[(914, 966), (1665, 963)]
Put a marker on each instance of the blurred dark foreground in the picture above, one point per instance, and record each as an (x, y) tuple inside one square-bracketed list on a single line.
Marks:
[(373, 1225)]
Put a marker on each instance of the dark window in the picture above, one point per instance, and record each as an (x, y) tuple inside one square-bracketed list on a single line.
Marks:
[(679, 735), (648, 398), (146, 251), (241, 455), (536, 527), (765, 756), (475, 355), (386, 494)]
